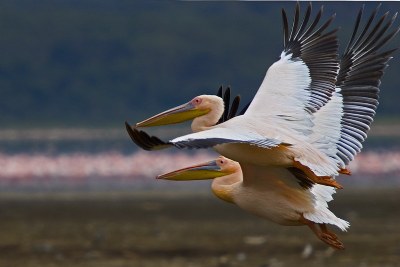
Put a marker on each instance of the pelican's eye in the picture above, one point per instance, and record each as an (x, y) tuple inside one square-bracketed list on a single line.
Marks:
[(196, 101), (221, 161)]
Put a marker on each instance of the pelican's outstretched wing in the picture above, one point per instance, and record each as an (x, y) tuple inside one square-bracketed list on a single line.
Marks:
[(303, 80), (342, 125), (217, 136), (204, 139)]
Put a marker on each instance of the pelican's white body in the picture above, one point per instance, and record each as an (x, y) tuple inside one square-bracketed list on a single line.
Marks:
[(273, 193)]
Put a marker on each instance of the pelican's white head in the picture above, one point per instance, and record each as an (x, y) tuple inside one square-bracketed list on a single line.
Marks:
[(205, 110), (225, 171)]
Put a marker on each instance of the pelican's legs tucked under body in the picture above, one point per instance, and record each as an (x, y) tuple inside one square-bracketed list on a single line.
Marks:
[(281, 195)]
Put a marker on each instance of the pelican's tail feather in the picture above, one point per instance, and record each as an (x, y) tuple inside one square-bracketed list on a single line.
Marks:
[(321, 213)]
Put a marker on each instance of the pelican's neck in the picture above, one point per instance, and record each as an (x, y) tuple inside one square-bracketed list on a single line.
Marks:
[(223, 186), (208, 120)]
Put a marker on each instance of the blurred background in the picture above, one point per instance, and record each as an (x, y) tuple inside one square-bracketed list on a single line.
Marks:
[(75, 189)]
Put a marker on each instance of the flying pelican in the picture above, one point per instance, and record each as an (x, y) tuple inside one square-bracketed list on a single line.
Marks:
[(353, 102), (273, 133), (277, 194)]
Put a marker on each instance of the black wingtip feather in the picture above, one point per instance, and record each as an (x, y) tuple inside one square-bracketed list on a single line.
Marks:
[(305, 20), (134, 137), (322, 28), (388, 38), (285, 28), (314, 24), (227, 99), (234, 107), (129, 130), (366, 27), (355, 29), (367, 44), (230, 109), (145, 141), (295, 21), (219, 92)]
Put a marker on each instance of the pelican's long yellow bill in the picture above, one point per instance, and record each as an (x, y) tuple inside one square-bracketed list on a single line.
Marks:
[(204, 171), (178, 114)]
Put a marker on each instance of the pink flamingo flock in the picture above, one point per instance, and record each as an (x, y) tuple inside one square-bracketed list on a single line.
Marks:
[(21, 168)]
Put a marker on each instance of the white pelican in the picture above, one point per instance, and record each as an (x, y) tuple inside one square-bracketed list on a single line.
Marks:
[(277, 194), (273, 129), (353, 102)]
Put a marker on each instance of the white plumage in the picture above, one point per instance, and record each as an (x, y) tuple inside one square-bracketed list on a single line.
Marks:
[(306, 122), (283, 95)]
